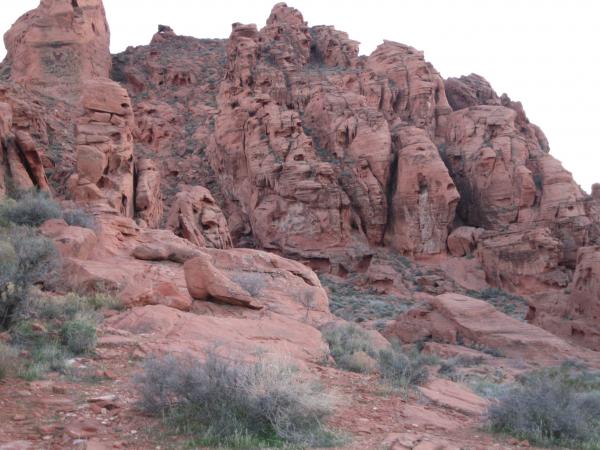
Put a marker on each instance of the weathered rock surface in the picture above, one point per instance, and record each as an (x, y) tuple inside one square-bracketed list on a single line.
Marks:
[(424, 199), (195, 216), (463, 240), (257, 280), (148, 197), (105, 148), (458, 319), (168, 331), (575, 312), (522, 260), (58, 45), (70, 241)]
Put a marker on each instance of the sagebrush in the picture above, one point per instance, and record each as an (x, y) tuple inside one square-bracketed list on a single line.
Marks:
[(225, 402), (350, 346), (553, 407)]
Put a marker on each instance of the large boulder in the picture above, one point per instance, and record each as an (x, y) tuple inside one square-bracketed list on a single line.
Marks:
[(257, 280), (458, 319), (526, 261)]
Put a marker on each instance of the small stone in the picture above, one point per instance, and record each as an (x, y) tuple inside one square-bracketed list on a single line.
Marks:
[(59, 390)]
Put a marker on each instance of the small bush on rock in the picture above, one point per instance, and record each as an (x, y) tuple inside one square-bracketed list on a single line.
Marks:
[(550, 408), (350, 346), (79, 218), (79, 336), (227, 403), (402, 370), (26, 258), (9, 361), (31, 209)]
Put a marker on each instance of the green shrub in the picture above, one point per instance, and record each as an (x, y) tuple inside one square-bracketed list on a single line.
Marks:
[(556, 407), (67, 307), (350, 346), (25, 334), (27, 258), (79, 218), (9, 361), (79, 336), (49, 356), (402, 370), (227, 403), (31, 209)]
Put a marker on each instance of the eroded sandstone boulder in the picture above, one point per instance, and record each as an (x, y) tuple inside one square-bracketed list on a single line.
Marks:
[(457, 319), (20, 156), (523, 261), (196, 217), (463, 240), (257, 280)]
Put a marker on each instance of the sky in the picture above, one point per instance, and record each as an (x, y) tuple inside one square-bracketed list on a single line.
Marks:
[(544, 53)]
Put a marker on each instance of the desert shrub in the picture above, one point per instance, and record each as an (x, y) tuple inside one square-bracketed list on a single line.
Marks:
[(352, 304), (27, 258), (350, 346), (31, 209), (402, 370), (555, 407), (227, 403), (9, 361), (448, 367), (79, 336), (79, 218), (66, 307), (45, 357)]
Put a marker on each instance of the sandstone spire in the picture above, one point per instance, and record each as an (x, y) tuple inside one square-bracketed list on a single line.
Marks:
[(61, 42)]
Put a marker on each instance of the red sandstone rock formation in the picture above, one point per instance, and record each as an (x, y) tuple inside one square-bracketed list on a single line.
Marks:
[(196, 217), (105, 148), (148, 197), (575, 313), (59, 44), (456, 318)]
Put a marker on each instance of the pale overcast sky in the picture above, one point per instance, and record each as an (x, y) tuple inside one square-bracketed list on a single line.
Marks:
[(545, 53)]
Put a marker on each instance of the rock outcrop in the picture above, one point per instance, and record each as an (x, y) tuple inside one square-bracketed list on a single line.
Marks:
[(458, 319), (196, 217), (105, 148), (20, 157), (148, 197), (574, 313), (58, 45), (424, 200)]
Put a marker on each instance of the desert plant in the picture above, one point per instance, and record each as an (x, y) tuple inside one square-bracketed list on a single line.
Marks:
[(402, 370), (225, 402), (79, 336), (45, 357), (66, 307), (350, 346), (30, 209), (550, 407), (9, 361), (27, 258), (79, 218)]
